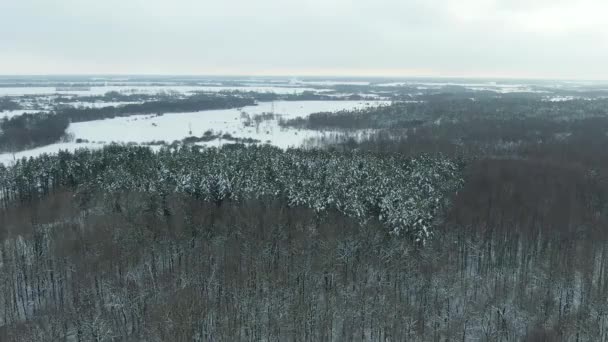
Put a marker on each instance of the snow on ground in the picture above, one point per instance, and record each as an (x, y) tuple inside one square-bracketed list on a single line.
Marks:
[(169, 127), (507, 90), (444, 84), (9, 158), (561, 98), (131, 89)]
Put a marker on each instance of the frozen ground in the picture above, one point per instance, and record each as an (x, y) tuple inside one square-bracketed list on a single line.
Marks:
[(169, 127), (330, 83), (133, 89), (9, 158), (561, 98)]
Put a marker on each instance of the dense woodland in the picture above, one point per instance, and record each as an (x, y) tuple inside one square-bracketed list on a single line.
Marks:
[(476, 223), (454, 108), (8, 104), (31, 130)]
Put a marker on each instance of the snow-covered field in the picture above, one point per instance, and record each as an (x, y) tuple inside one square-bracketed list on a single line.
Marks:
[(331, 83), (9, 158), (169, 127), (561, 98), (132, 89)]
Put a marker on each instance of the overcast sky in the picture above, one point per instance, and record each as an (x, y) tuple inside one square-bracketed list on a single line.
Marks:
[(478, 38)]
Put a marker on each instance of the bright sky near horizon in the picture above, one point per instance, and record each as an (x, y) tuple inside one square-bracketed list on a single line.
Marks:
[(469, 38)]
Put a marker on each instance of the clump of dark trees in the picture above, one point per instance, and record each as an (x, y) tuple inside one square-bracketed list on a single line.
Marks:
[(300, 96), (211, 136), (31, 130), (115, 96), (6, 103), (454, 108), (208, 136)]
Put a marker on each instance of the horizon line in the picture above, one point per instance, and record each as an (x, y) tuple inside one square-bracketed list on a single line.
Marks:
[(331, 76)]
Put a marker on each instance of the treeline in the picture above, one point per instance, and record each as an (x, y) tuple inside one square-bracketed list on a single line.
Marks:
[(115, 96), (300, 96), (31, 130), (386, 116), (6, 103), (579, 142), (444, 108)]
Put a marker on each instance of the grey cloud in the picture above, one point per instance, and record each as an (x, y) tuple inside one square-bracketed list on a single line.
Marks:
[(442, 37)]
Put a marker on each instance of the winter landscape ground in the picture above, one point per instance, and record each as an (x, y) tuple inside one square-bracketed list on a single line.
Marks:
[(176, 208)]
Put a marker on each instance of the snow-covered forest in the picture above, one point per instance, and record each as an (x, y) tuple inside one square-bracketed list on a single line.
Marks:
[(404, 193), (447, 214)]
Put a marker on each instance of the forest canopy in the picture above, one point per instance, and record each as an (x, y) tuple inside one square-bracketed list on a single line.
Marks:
[(403, 193)]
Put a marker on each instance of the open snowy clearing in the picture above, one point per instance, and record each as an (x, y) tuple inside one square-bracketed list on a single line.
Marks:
[(170, 127), (9, 158), (144, 129), (331, 83)]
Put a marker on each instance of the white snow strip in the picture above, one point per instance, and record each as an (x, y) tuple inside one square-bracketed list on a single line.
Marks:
[(170, 127)]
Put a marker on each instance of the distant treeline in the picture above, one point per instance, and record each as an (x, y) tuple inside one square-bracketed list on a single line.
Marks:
[(444, 108), (115, 96), (302, 96)]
